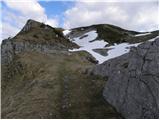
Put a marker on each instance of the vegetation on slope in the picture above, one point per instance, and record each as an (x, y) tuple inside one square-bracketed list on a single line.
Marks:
[(53, 86), (113, 34), (36, 32), (43, 85)]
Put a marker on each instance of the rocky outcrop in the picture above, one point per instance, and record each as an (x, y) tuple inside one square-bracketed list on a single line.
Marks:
[(31, 24), (133, 81), (35, 36), (11, 47)]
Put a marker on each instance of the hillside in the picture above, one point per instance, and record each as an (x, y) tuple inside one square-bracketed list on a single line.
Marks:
[(50, 72), (113, 34), (36, 32), (105, 41), (44, 80)]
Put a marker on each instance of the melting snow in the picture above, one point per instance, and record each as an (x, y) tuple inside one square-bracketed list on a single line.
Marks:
[(86, 43), (143, 34), (119, 49), (65, 32), (113, 51)]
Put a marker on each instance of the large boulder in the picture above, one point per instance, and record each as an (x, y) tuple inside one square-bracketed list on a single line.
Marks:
[(133, 81)]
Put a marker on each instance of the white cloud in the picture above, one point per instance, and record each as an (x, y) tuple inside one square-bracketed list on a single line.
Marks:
[(52, 22), (26, 7), (19, 12), (10, 30), (140, 16)]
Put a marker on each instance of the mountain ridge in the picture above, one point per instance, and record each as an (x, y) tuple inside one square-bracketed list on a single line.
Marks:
[(49, 74)]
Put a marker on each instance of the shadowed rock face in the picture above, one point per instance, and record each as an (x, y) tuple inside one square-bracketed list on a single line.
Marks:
[(133, 81)]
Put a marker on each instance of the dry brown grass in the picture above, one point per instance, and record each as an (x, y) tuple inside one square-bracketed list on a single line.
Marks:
[(54, 86)]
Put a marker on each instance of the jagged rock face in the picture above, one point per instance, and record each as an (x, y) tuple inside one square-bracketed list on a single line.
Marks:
[(133, 81), (11, 48), (35, 36), (30, 24)]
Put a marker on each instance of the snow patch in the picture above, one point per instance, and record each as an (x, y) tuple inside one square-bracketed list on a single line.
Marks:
[(113, 51), (143, 34), (65, 32), (119, 49), (88, 45), (85, 42)]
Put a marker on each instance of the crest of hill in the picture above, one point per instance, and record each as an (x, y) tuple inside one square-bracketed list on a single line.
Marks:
[(114, 34), (36, 32)]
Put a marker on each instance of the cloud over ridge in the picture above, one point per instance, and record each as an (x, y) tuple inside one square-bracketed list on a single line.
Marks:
[(140, 16)]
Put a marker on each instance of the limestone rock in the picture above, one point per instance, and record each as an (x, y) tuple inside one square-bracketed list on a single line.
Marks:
[(133, 80)]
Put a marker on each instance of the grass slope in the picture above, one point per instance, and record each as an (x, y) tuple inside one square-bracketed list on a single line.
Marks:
[(39, 33), (113, 34), (53, 86)]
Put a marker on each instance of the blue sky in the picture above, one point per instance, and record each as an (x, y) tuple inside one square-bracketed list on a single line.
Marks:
[(57, 8), (139, 15)]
